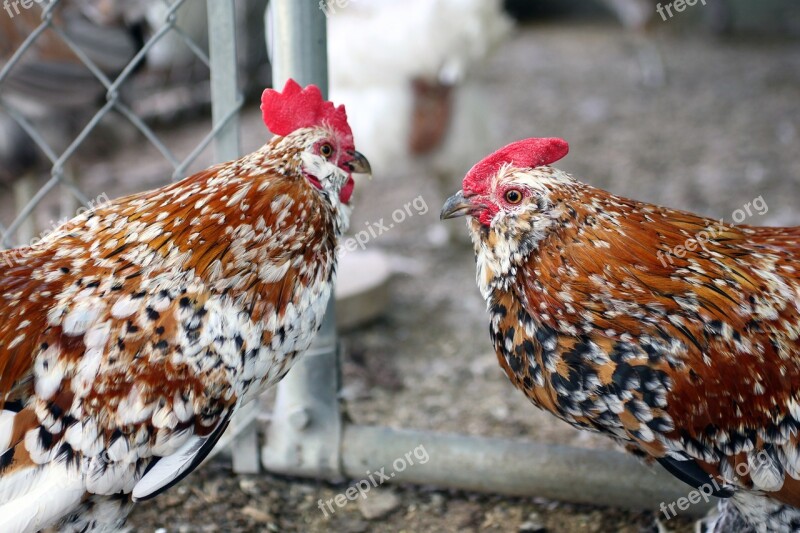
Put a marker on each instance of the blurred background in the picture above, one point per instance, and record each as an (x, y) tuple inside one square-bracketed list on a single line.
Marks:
[(698, 111)]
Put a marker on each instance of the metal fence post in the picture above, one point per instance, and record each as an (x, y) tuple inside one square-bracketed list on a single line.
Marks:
[(305, 434), (225, 102), (224, 78)]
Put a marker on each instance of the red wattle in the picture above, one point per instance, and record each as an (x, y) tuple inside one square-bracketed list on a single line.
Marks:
[(347, 191)]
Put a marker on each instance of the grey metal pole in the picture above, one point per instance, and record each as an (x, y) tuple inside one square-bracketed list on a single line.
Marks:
[(224, 78), (512, 467), (298, 40), (225, 101), (304, 436)]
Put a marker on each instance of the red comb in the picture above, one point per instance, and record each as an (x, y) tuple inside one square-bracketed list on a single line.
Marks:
[(529, 153), (295, 108)]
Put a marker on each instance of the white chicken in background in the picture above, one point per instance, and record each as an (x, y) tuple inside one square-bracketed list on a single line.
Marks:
[(640, 17), (404, 71), (637, 16)]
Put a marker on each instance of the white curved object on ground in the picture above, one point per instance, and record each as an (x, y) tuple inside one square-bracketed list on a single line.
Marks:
[(362, 288)]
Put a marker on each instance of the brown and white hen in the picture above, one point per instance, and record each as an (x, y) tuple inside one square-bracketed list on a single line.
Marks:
[(132, 333), (672, 333)]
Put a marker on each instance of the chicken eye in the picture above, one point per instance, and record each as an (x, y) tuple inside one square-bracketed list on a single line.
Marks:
[(326, 150), (513, 196)]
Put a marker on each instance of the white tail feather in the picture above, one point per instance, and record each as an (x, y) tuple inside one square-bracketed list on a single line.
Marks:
[(37, 498), (6, 426)]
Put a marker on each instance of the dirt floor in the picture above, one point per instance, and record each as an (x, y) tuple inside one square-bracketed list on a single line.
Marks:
[(721, 132)]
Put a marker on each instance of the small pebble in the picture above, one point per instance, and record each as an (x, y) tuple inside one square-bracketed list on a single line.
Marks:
[(378, 504), (533, 524)]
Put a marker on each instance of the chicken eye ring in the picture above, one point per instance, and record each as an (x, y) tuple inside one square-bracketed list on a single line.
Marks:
[(513, 196)]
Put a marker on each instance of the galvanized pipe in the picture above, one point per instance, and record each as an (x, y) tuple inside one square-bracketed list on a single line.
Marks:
[(224, 84), (225, 104), (297, 37), (512, 467), (304, 436)]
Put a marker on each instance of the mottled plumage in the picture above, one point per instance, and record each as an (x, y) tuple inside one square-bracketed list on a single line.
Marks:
[(675, 334), (133, 332)]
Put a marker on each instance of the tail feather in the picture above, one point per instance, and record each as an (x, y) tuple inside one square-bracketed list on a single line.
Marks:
[(34, 494), (6, 431), (38, 497)]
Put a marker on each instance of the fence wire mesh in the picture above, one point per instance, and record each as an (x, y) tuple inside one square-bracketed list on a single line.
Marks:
[(51, 38)]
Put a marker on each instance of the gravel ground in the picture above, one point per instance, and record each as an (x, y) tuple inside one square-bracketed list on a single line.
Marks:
[(723, 131)]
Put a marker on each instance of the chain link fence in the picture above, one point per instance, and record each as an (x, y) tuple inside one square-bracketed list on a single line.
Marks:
[(59, 50)]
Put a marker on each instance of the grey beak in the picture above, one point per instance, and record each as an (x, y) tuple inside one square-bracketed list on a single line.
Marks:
[(456, 206), (359, 164)]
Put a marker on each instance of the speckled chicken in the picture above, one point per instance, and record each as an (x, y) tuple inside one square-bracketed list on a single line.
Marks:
[(674, 334), (132, 333)]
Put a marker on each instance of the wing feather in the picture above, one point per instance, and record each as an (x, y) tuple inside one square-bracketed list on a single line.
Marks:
[(165, 472)]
